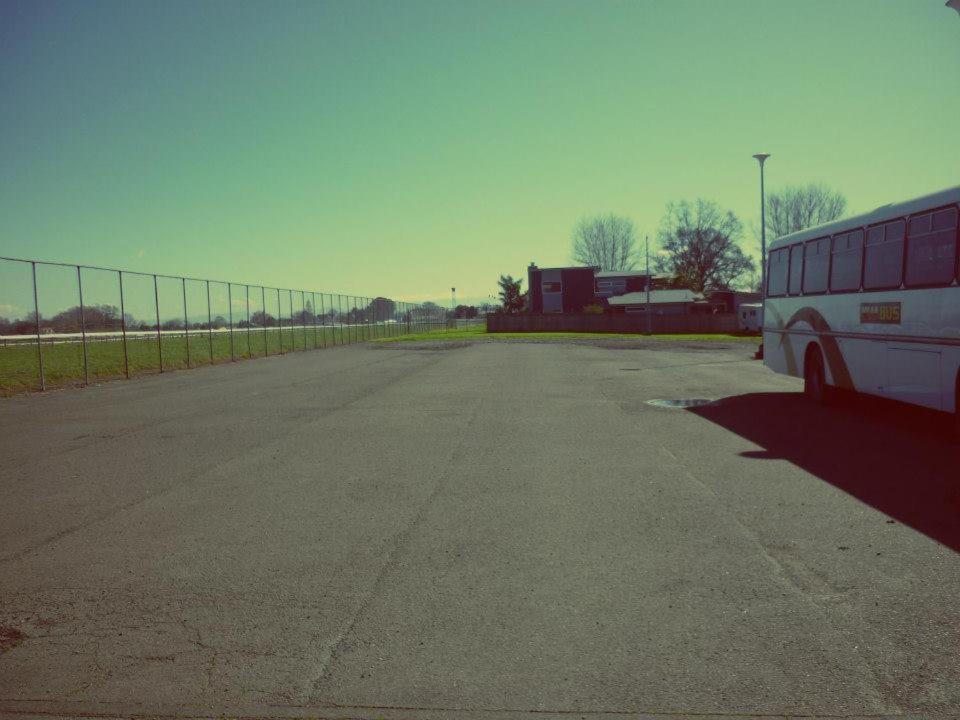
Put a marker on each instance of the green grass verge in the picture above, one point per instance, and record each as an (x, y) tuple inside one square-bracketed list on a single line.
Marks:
[(63, 362)]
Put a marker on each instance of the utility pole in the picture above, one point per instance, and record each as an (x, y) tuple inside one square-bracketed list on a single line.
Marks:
[(761, 157), (646, 242)]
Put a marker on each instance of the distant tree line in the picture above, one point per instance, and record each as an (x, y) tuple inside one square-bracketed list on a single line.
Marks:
[(106, 318)]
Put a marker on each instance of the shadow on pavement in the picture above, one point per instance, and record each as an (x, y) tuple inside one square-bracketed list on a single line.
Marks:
[(899, 459)]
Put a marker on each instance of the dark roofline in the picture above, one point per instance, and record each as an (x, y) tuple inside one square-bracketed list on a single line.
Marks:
[(569, 267)]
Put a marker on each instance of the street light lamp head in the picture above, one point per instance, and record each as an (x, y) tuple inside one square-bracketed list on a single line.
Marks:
[(763, 156), (955, 4)]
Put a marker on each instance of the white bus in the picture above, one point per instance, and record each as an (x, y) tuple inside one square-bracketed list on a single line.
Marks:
[(870, 303)]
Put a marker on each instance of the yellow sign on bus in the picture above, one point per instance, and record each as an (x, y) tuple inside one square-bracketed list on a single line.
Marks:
[(885, 312)]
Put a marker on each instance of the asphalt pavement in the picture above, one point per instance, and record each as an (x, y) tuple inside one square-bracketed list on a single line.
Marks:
[(483, 530)]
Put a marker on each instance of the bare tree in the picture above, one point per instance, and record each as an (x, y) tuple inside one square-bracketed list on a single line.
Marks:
[(798, 207), (605, 241), (699, 246)]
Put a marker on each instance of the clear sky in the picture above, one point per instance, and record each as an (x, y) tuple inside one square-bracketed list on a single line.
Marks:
[(401, 148)]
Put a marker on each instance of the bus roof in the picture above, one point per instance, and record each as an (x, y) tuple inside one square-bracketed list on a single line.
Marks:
[(884, 212)]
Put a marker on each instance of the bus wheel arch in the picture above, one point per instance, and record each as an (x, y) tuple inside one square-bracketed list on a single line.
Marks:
[(815, 375)]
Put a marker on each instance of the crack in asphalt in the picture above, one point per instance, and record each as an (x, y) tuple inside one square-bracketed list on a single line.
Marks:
[(783, 575), (401, 540)]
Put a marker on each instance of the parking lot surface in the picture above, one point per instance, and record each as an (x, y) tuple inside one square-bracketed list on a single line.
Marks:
[(485, 530)]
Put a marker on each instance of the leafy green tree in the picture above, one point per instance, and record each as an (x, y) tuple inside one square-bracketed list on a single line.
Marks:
[(512, 300)]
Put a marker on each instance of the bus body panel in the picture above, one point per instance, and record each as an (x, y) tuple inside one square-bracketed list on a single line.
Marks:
[(915, 360)]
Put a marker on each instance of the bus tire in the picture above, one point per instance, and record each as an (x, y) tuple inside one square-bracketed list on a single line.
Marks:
[(815, 377)]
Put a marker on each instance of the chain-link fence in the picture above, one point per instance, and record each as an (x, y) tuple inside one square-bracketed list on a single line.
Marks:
[(75, 324)]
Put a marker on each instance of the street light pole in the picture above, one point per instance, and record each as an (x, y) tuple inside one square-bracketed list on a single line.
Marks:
[(761, 157)]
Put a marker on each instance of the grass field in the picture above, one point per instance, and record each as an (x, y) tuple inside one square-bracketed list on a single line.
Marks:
[(63, 361), (479, 333)]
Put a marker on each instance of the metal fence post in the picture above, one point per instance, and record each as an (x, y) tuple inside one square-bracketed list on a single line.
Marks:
[(293, 327), (83, 329), (338, 326), (249, 351), (36, 313), (186, 322), (263, 305), (332, 314), (340, 315), (293, 335), (324, 316), (313, 310), (123, 328), (354, 324), (352, 311), (293, 331), (156, 303), (209, 323), (303, 318), (280, 320), (230, 305)]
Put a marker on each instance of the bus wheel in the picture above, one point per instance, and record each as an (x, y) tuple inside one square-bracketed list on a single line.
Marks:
[(814, 377)]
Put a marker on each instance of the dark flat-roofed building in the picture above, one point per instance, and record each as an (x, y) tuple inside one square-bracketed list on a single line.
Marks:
[(559, 290)]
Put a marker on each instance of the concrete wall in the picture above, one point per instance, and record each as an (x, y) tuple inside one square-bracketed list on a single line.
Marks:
[(612, 323)]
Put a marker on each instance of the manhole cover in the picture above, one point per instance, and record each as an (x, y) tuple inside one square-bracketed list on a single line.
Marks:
[(680, 404)]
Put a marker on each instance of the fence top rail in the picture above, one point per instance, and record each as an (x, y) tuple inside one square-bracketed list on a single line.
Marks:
[(177, 277)]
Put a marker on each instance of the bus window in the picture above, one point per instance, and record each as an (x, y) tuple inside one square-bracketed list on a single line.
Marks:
[(777, 273), (796, 268), (883, 258), (846, 261), (816, 263), (932, 248)]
